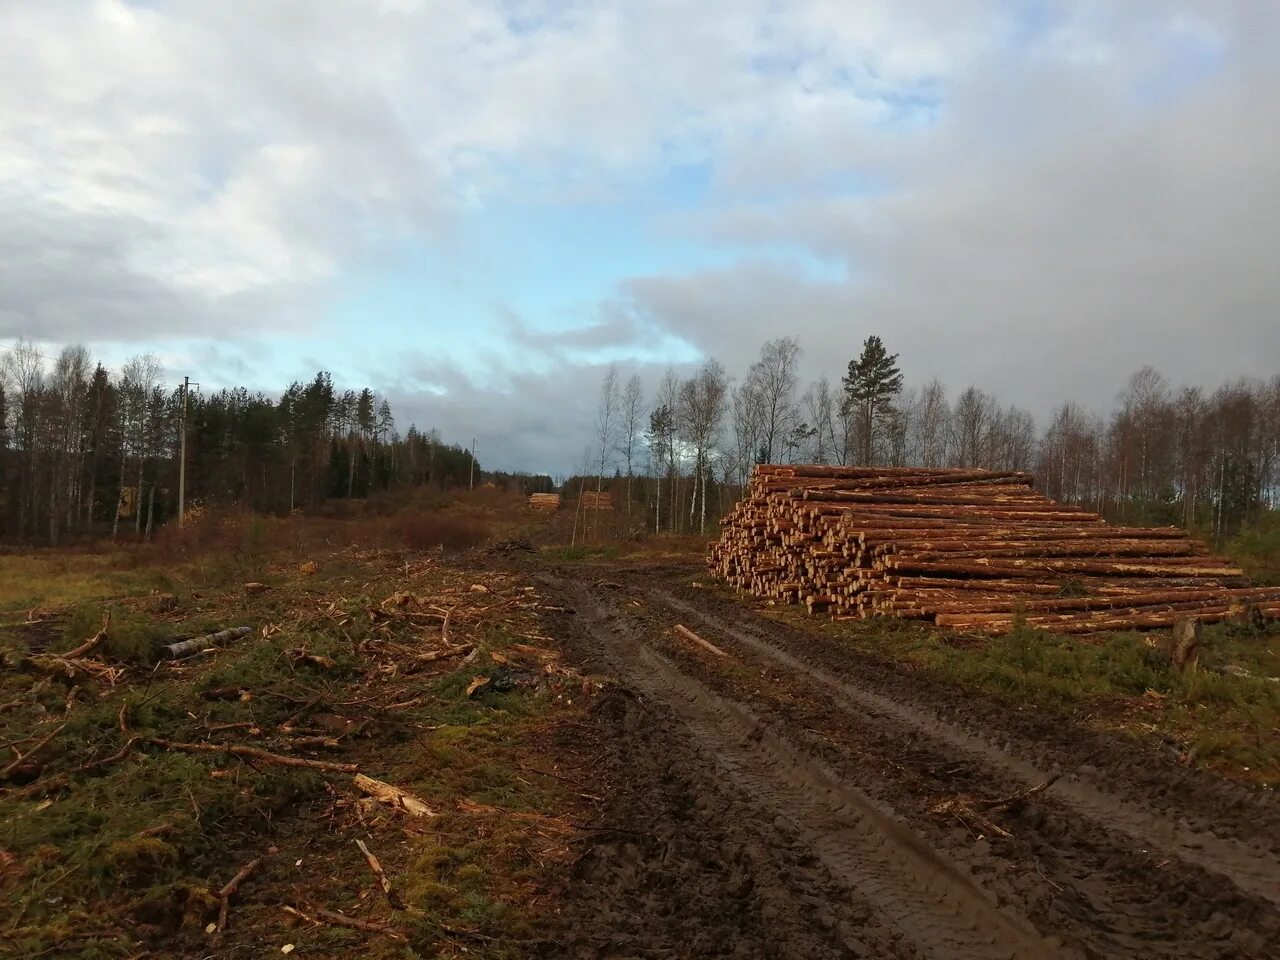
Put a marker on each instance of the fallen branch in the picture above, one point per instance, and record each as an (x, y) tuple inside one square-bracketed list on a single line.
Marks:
[(384, 881), (434, 655), (227, 892), (1018, 798), (92, 642), (393, 796), (972, 812), (71, 667), (265, 756), (311, 743), (20, 758), (705, 644), (61, 780), (963, 810), (320, 915), (187, 648)]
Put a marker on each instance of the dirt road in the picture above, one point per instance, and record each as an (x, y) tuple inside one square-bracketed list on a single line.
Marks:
[(792, 799)]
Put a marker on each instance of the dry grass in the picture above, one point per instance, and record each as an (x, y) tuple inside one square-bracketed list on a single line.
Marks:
[(51, 578), (128, 856)]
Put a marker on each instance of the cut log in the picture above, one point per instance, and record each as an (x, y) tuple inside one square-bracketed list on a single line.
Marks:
[(980, 547), (188, 648), (705, 644)]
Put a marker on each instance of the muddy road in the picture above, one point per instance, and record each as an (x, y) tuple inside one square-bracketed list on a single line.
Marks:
[(792, 799)]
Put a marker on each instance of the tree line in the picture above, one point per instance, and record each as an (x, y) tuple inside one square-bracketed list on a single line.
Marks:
[(88, 451), (1205, 459)]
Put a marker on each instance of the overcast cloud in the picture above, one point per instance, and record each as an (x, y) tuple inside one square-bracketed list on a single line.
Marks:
[(1036, 198)]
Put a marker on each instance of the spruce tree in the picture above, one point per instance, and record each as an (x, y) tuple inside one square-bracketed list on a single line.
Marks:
[(870, 385)]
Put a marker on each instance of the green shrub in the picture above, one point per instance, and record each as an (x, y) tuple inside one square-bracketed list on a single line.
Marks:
[(131, 637)]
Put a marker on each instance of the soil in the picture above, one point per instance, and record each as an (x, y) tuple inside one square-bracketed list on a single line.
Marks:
[(795, 798)]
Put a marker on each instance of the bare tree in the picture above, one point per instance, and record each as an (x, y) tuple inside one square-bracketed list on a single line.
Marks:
[(747, 415), (1190, 454), (703, 401), (970, 422), (68, 385), (1143, 437), (930, 424), (138, 381), (632, 412), (22, 372), (1010, 440), (774, 379), (668, 400), (1069, 456), (606, 421), (819, 406)]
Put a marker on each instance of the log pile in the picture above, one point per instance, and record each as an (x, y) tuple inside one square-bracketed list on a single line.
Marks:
[(550, 502), (591, 500), (976, 550)]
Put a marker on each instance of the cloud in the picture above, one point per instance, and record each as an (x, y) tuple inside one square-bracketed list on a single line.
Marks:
[(1054, 232), (241, 153), (1036, 198)]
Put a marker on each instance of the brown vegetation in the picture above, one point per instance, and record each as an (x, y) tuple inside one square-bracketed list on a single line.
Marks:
[(211, 800)]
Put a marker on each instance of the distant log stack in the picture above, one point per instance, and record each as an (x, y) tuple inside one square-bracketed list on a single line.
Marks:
[(591, 500), (550, 502), (975, 550)]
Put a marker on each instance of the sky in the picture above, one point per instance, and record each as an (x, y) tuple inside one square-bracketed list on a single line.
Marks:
[(475, 207)]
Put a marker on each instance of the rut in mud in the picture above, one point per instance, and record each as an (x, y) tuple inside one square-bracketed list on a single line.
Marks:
[(776, 803)]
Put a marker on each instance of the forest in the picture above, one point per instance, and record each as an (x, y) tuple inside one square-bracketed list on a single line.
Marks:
[(87, 452), (1203, 458)]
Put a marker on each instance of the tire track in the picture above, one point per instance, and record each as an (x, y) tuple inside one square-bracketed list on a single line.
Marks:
[(1252, 872), (929, 900)]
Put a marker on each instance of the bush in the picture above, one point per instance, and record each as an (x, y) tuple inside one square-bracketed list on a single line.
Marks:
[(131, 637), (426, 531), (1257, 548)]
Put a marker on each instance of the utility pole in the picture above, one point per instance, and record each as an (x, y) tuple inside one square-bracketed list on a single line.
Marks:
[(473, 464), (182, 456)]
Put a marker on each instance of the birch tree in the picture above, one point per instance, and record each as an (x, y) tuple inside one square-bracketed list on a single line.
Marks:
[(631, 414), (773, 379)]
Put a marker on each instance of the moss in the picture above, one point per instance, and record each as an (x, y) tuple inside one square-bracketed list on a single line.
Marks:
[(138, 858)]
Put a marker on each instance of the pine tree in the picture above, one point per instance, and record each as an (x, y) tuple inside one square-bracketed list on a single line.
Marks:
[(386, 423), (870, 385)]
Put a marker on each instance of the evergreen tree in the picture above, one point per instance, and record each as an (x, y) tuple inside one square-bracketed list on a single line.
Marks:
[(386, 423), (870, 386), (364, 413)]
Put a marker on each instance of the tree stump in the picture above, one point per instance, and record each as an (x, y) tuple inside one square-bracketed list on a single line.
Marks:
[(1185, 651)]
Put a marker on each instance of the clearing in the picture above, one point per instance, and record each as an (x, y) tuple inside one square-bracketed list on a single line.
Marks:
[(610, 756)]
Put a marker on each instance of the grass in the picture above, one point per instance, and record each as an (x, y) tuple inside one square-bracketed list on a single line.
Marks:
[(129, 856), (1257, 548), (1122, 682), (50, 579)]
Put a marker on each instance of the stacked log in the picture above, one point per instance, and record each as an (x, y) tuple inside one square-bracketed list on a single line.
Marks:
[(591, 500), (976, 550), (550, 502)]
